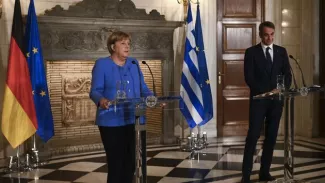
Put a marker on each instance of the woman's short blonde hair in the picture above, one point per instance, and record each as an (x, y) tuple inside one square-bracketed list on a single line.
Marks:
[(114, 37)]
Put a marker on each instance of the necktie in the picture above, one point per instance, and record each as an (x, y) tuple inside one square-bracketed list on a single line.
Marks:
[(268, 59), (268, 55)]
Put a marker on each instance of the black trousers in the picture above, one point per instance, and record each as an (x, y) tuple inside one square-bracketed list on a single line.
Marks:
[(268, 111), (119, 145)]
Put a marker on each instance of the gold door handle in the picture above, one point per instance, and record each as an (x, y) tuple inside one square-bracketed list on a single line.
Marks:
[(219, 77)]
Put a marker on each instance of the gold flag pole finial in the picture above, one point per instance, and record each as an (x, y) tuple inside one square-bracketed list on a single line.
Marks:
[(185, 5)]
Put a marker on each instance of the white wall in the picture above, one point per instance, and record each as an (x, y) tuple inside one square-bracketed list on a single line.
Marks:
[(299, 34), (170, 8)]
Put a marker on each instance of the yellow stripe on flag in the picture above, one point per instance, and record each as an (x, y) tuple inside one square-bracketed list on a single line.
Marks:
[(16, 125)]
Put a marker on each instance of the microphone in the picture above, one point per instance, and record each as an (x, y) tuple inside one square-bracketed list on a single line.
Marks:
[(135, 63), (302, 74), (294, 78), (153, 79)]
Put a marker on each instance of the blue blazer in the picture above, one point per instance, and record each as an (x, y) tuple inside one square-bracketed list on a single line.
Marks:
[(105, 75)]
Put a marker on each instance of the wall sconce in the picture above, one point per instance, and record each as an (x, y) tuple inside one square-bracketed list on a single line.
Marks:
[(284, 24), (285, 11), (185, 4)]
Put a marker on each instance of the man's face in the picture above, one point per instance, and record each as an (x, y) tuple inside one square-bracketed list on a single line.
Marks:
[(267, 35)]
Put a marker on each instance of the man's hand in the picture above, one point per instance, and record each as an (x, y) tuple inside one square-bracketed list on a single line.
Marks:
[(275, 91), (104, 103)]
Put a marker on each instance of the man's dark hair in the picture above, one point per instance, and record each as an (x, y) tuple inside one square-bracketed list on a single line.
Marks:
[(266, 24)]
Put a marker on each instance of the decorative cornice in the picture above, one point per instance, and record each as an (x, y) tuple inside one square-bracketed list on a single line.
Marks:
[(113, 9), (81, 32), (84, 40)]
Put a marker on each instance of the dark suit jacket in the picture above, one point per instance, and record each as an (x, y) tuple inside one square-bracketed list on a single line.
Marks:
[(258, 77)]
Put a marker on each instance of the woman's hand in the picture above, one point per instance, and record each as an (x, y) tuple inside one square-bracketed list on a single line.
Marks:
[(104, 103)]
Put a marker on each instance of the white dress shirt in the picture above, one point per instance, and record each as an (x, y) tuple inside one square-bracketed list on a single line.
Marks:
[(270, 50)]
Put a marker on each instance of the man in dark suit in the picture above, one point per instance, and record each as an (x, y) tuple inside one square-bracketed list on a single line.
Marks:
[(262, 64)]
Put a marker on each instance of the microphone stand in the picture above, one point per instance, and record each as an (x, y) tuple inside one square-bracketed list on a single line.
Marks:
[(140, 141), (294, 78), (302, 74), (153, 79)]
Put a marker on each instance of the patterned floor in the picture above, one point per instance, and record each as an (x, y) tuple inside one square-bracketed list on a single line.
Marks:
[(166, 164)]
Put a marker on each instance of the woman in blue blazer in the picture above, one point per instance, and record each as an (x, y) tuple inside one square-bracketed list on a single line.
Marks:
[(116, 130)]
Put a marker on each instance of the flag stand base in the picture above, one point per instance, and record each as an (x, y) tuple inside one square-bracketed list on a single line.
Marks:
[(35, 159), (34, 155), (18, 163), (27, 162), (194, 143)]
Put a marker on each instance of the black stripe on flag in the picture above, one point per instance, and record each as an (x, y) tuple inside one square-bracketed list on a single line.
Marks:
[(17, 31)]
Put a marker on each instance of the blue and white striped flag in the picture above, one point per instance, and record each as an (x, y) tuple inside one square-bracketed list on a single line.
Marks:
[(195, 108)]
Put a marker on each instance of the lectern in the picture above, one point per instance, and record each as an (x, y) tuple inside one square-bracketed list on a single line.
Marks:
[(136, 107), (289, 104)]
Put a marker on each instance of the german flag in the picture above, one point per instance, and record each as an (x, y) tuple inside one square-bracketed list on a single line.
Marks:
[(19, 120)]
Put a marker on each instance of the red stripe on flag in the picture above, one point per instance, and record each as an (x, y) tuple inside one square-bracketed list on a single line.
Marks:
[(18, 80)]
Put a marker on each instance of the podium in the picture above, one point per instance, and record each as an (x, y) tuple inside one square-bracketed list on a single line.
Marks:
[(289, 103), (136, 107)]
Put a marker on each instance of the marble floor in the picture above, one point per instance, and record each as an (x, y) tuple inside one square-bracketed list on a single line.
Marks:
[(220, 162)]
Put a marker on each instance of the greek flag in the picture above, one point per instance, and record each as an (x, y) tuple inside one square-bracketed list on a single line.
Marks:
[(196, 99)]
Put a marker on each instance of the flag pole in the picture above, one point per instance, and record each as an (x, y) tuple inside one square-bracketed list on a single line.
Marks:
[(17, 128), (196, 111), (45, 124), (183, 126), (18, 158), (35, 151), (198, 131)]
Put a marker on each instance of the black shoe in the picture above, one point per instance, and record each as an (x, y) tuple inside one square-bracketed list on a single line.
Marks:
[(244, 180), (266, 178)]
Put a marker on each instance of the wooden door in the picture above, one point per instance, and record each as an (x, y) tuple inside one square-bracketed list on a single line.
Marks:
[(237, 29)]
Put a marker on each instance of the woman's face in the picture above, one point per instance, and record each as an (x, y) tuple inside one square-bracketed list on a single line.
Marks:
[(122, 48)]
